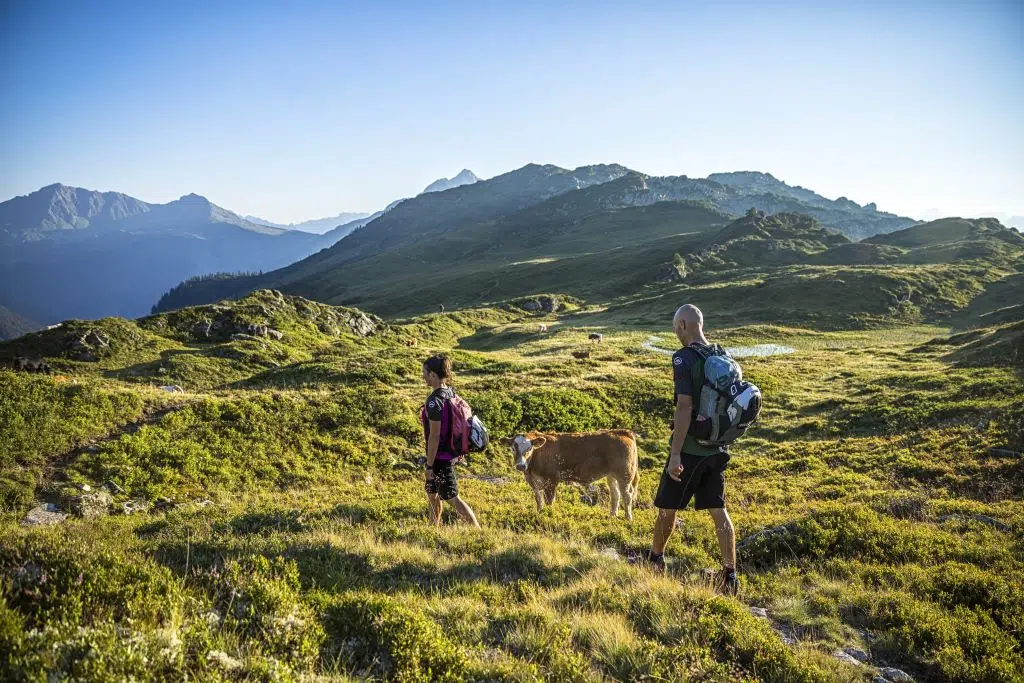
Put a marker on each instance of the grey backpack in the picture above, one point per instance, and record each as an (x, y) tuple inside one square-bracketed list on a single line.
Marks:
[(727, 404)]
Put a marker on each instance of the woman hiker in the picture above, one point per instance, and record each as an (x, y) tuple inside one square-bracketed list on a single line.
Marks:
[(441, 483)]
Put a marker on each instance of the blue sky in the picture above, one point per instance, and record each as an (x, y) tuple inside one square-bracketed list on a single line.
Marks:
[(300, 110)]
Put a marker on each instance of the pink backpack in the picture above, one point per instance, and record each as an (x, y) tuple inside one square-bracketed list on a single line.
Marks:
[(456, 423)]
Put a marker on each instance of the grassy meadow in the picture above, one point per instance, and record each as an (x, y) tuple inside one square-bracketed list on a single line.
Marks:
[(878, 504)]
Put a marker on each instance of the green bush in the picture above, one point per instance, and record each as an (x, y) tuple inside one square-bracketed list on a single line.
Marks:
[(393, 638), (562, 410)]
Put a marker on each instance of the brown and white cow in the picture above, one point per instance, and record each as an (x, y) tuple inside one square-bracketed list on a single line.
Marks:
[(546, 460)]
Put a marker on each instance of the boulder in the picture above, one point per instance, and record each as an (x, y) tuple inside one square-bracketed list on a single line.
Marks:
[(858, 654), (759, 612), (94, 504), (276, 335), (531, 306), (258, 330), (362, 325), (44, 515)]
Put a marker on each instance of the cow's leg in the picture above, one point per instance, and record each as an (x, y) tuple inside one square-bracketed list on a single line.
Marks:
[(537, 485), (628, 496), (613, 487), (549, 492)]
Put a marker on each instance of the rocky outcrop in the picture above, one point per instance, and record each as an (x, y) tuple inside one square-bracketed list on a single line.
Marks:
[(540, 304), (89, 346)]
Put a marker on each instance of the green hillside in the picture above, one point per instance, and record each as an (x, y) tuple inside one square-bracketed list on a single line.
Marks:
[(278, 528)]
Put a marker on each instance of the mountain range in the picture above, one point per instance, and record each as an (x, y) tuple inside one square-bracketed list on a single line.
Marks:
[(602, 230), (518, 232), (317, 226), (71, 252)]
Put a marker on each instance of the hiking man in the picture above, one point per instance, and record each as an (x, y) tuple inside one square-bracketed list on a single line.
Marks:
[(441, 483), (693, 470)]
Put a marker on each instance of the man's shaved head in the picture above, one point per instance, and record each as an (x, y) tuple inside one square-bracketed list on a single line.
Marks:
[(688, 323), (689, 314)]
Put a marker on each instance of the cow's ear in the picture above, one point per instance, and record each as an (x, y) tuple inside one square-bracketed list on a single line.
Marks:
[(539, 441), (506, 441)]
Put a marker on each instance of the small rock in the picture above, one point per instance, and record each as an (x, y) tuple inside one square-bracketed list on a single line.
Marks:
[(113, 487), (858, 654), (610, 553), (135, 506), (44, 515), (843, 656), (759, 612), (86, 488), (92, 504), (276, 335), (172, 389), (895, 675)]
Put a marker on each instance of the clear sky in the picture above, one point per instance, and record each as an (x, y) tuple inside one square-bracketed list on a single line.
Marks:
[(297, 110)]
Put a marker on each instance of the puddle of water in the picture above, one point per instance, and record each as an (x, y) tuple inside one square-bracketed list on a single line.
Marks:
[(755, 351), (758, 350)]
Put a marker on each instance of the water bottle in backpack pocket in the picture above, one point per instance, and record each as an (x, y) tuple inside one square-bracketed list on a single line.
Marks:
[(728, 404)]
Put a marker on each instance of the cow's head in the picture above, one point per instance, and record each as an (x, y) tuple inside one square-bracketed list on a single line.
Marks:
[(522, 449)]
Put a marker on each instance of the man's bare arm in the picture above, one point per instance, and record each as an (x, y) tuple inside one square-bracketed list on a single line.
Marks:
[(684, 413)]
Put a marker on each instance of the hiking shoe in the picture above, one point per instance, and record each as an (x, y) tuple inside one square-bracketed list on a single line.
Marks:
[(729, 583), (656, 563)]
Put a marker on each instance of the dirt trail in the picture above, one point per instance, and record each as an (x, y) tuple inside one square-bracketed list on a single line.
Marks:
[(56, 466)]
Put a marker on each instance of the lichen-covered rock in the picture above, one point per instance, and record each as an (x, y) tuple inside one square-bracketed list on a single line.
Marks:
[(44, 515), (93, 504)]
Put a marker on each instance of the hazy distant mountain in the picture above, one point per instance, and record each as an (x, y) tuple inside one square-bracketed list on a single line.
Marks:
[(465, 177), (318, 226), (13, 325), (69, 252)]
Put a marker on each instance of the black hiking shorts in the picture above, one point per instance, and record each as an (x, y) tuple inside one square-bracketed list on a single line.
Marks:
[(444, 483), (703, 480)]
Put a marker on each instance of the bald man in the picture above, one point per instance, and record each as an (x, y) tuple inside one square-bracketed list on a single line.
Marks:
[(693, 471)]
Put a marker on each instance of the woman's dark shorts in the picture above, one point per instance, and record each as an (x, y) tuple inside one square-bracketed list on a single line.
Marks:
[(444, 483), (703, 479)]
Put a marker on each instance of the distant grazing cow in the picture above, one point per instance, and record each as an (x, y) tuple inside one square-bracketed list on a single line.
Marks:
[(581, 355), (31, 364), (546, 460), (542, 328), (596, 337)]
